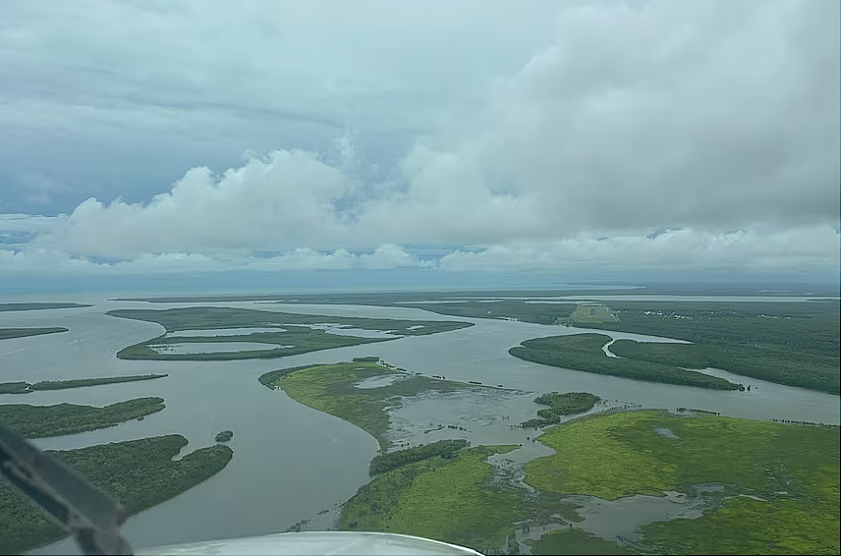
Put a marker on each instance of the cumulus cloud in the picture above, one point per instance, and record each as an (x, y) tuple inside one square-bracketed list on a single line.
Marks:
[(715, 120)]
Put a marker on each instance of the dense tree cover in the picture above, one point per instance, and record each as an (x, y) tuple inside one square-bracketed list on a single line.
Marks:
[(138, 474), (64, 419), (560, 404), (20, 332), (790, 343), (389, 461), (18, 387), (14, 387), (26, 306), (584, 352), (224, 436), (295, 338)]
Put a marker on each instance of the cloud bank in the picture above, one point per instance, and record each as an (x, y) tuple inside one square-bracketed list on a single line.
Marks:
[(694, 135)]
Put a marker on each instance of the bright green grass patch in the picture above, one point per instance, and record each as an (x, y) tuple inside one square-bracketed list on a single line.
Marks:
[(589, 313), (747, 527), (590, 460), (795, 469), (9, 333), (572, 541), (139, 474), (446, 499), (64, 419), (330, 388)]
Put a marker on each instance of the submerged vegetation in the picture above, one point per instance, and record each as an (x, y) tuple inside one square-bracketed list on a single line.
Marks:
[(64, 419), (781, 483), (19, 387), (295, 333), (560, 404), (331, 388), (389, 461), (584, 352), (139, 474), (20, 332)]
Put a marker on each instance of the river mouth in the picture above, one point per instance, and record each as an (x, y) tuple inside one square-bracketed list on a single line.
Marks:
[(285, 465)]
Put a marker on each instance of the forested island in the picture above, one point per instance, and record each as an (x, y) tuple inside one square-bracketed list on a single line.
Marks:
[(294, 333), (29, 306), (63, 419), (139, 474), (584, 352), (21, 332), (21, 387)]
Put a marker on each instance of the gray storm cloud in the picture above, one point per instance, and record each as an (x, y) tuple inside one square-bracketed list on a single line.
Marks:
[(709, 117)]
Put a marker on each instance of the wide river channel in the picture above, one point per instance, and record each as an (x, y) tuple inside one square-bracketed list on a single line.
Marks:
[(290, 461)]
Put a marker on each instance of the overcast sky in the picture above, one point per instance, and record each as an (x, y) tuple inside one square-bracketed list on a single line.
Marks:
[(156, 137)]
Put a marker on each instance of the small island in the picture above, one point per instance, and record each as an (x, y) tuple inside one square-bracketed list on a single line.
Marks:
[(29, 306), (224, 436), (65, 419), (20, 332), (22, 387)]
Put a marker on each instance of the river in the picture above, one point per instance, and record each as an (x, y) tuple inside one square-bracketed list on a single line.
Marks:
[(290, 461)]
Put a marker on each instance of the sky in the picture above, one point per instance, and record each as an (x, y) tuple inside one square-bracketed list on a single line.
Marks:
[(439, 139)]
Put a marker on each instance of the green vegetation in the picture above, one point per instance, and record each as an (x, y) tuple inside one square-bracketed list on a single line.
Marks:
[(14, 387), (331, 388), (139, 474), (589, 313), (584, 352), (374, 359), (560, 404), (572, 541), (389, 461), (64, 419), (224, 436), (533, 312), (296, 338), (19, 332), (448, 499), (790, 343), (794, 469), (26, 306), (19, 387)]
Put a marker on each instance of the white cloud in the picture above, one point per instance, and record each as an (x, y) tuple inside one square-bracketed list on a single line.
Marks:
[(701, 117), (796, 250)]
